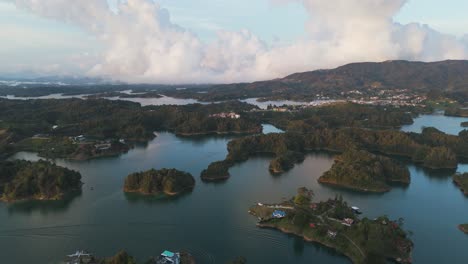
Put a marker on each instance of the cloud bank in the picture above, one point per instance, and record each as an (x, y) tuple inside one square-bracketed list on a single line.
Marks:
[(141, 44)]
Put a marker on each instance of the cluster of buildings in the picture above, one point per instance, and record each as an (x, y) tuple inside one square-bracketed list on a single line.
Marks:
[(231, 115), (399, 97)]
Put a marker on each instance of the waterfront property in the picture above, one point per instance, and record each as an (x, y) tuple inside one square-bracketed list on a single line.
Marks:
[(168, 257)]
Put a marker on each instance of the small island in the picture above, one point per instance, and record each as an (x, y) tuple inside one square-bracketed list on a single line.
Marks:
[(42, 180), (463, 228), (335, 225), (464, 124), (154, 182), (363, 171), (461, 180), (216, 171)]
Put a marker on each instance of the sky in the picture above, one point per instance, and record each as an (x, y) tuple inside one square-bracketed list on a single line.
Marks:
[(204, 41)]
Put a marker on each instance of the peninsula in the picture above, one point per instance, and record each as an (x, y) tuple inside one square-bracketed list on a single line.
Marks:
[(154, 182), (334, 224)]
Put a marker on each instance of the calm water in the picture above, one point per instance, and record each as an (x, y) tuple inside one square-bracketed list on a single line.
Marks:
[(449, 125), (165, 100), (212, 222)]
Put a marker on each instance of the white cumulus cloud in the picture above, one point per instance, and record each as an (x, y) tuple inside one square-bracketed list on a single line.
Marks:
[(141, 44)]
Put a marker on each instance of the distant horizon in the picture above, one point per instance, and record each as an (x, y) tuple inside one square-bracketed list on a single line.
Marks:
[(78, 80)]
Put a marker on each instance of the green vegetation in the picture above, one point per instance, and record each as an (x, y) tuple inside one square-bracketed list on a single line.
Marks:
[(333, 224), (68, 148), (216, 171), (461, 180), (464, 228), (431, 149), (456, 111), (42, 180), (165, 181), (363, 171), (464, 124), (50, 126), (340, 115)]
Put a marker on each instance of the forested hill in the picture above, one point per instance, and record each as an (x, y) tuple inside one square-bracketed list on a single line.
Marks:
[(449, 78)]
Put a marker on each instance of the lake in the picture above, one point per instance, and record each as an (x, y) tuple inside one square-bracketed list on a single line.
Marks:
[(448, 124), (212, 221)]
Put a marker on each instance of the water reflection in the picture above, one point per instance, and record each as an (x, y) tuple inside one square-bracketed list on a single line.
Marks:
[(43, 207), (135, 198)]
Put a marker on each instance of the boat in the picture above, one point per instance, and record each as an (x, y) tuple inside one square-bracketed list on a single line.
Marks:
[(79, 254), (356, 210), (80, 257)]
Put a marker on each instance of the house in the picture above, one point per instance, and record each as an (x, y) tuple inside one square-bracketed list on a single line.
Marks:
[(332, 234), (348, 222), (312, 225), (278, 214), (168, 257)]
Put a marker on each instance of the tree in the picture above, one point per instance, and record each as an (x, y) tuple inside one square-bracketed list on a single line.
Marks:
[(303, 197)]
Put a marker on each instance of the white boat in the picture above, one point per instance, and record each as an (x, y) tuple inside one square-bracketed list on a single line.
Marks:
[(79, 254)]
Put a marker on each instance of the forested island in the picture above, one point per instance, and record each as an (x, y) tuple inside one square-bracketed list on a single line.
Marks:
[(154, 182), (363, 171), (41, 180), (334, 224), (431, 149), (464, 124), (461, 180)]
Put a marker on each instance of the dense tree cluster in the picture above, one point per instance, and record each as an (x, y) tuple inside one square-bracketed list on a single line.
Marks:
[(106, 119), (164, 181), (40, 180), (432, 148), (364, 241), (361, 170), (340, 115), (456, 111)]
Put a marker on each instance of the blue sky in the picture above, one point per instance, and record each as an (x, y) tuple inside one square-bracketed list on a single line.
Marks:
[(28, 39)]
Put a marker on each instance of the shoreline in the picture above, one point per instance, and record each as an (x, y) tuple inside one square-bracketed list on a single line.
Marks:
[(307, 239), (170, 194), (349, 187)]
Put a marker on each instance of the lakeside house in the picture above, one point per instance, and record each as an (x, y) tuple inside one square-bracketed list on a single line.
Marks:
[(168, 257)]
